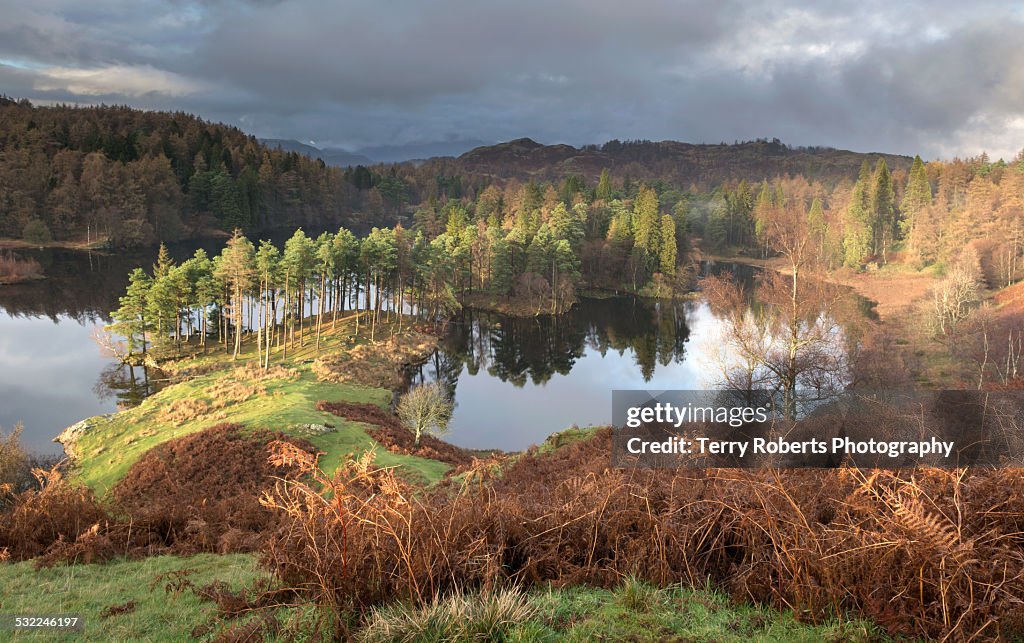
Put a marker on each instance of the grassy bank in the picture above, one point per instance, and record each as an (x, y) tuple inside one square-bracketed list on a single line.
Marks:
[(217, 389), (134, 588), (634, 611), (147, 600)]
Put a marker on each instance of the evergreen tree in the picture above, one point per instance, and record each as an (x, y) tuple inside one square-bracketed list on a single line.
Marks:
[(132, 319), (163, 264), (237, 270), (298, 264), (883, 210), (816, 226), (917, 200), (857, 227), (568, 225), (326, 266), (646, 223), (346, 248), (268, 265), (200, 271), (620, 228), (763, 211)]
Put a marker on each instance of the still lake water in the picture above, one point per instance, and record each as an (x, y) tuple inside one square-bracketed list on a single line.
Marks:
[(515, 380)]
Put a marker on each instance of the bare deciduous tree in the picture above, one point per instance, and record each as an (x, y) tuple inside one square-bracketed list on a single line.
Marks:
[(781, 343), (425, 410), (791, 338), (953, 299)]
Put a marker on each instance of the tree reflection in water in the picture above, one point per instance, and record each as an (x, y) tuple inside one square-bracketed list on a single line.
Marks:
[(530, 350), (127, 385)]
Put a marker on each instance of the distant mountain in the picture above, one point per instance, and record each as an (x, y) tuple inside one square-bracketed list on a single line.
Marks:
[(671, 161), (339, 157), (331, 156), (419, 151), (373, 155)]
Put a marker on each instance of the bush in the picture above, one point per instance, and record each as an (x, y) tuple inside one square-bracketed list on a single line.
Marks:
[(35, 231), (13, 461), (55, 513), (201, 492)]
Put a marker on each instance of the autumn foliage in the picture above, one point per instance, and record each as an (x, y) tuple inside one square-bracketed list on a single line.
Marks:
[(922, 553), (196, 493)]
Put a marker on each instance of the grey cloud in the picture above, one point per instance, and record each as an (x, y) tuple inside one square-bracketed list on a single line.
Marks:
[(931, 77)]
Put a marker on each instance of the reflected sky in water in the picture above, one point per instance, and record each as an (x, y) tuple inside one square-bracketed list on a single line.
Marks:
[(48, 371), (513, 413)]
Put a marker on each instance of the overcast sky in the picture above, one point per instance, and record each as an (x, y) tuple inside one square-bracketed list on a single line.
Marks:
[(939, 78)]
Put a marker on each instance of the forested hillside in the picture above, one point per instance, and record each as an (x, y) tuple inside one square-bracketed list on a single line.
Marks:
[(137, 177), (687, 165)]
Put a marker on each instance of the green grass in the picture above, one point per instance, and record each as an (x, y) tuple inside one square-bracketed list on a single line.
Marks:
[(636, 611), (633, 612), (566, 437), (85, 590), (105, 453)]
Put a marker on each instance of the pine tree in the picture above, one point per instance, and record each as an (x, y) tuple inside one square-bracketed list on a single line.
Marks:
[(568, 225), (298, 264), (132, 319), (857, 227), (346, 249), (327, 265), (204, 290), (917, 200), (163, 264), (763, 212), (620, 228), (267, 263), (882, 210), (237, 269), (816, 226), (647, 224)]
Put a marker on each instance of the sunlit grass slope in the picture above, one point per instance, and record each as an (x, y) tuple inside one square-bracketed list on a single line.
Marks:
[(284, 400)]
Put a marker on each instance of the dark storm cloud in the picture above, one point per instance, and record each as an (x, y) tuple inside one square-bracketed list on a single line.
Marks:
[(939, 78)]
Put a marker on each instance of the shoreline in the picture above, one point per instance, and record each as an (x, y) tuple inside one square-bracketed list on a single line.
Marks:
[(21, 244), (874, 285)]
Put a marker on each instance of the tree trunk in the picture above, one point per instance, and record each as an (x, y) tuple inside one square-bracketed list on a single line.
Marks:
[(320, 309)]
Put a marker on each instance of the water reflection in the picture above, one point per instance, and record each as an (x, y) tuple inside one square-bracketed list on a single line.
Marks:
[(47, 369), (515, 380), (52, 374), (510, 377), (126, 385)]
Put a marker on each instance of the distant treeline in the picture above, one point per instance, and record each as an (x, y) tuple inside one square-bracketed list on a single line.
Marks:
[(939, 213), (139, 177), (534, 257)]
